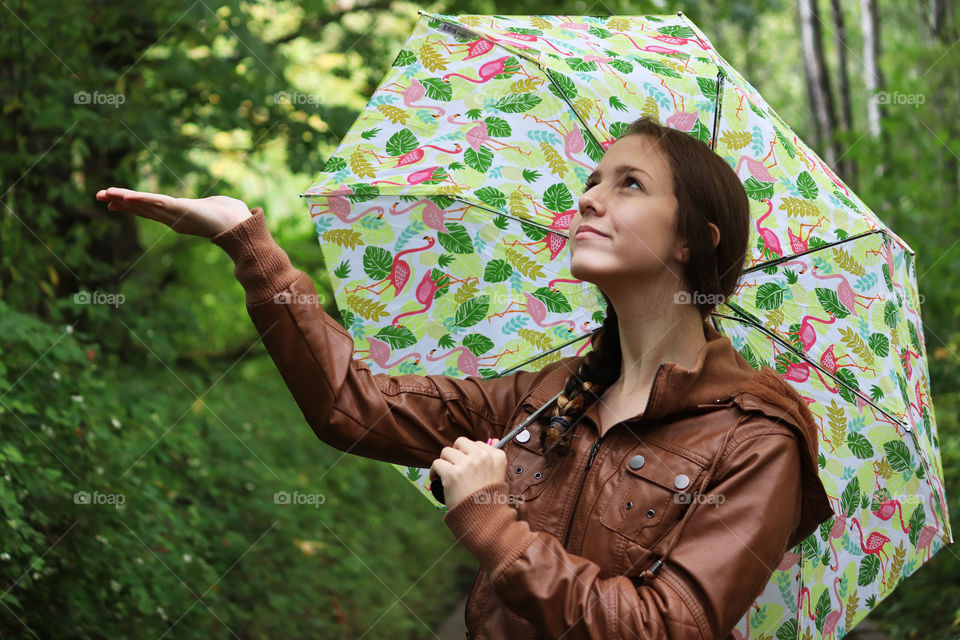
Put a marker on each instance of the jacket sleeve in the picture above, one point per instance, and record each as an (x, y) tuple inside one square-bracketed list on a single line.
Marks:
[(400, 419), (721, 564)]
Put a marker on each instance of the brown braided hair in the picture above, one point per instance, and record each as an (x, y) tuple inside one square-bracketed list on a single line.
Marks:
[(707, 190)]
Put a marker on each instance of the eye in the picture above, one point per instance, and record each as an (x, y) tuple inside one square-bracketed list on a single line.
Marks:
[(588, 185), (628, 180)]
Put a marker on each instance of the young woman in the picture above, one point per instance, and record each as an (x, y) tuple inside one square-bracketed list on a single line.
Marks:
[(660, 491)]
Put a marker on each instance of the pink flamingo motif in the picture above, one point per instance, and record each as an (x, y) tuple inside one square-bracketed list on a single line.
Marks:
[(808, 336), (874, 545), (831, 362), (432, 215), (572, 140), (380, 351), (423, 175), (789, 560), (412, 94), (477, 135), (770, 241), (552, 241), (799, 244), (475, 49), (524, 38), (536, 309), (830, 622), (467, 361), (682, 120), (414, 156), (426, 290), (888, 258), (399, 272), (736, 632), (905, 359), (340, 207), (558, 220), (552, 283), (928, 533), (888, 508), (845, 292), (836, 531), (489, 70), (757, 168), (804, 592)]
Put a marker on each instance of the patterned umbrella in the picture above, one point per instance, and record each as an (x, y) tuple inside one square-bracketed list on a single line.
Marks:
[(442, 217)]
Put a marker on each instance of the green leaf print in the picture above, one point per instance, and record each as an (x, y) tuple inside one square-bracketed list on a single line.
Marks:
[(879, 344), (479, 160), (404, 58), (850, 498), (446, 342), (623, 66), (498, 127), (898, 455), (830, 302), (578, 64), (891, 315), (869, 568), (478, 343), (757, 190), (437, 89), (556, 302), (617, 103), (457, 240), (402, 143), (807, 186), (657, 67), (377, 262), (335, 164), (533, 231), (472, 311), (397, 337), (769, 296), (562, 86), (558, 198), (617, 129), (708, 87), (860, 446), (531, 175), (517, 103), (491, 196), (497, 271)]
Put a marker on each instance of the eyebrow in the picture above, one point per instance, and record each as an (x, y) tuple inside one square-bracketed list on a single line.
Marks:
[(623, 168)]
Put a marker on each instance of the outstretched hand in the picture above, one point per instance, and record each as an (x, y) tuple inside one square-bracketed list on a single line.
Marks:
[(205, 217), (467, 466)]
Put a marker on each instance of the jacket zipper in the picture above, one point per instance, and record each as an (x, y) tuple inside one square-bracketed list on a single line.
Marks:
[(593, 453)]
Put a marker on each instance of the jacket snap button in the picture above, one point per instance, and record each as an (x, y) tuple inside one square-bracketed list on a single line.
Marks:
[(629, 505), (523, 436), (651, 513), (681, 481), (636, 461), (537, 475), (518, 470)]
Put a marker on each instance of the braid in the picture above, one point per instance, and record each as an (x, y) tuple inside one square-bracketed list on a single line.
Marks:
[(599, 369)]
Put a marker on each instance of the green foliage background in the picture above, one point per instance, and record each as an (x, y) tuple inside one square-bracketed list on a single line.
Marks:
[(169, 400)]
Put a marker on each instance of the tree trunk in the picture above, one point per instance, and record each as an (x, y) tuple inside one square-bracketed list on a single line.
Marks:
[(873, 80), (847, 165), (818, 82), (942, 32)]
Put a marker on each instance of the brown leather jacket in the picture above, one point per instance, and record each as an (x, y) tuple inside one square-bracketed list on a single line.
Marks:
[(667, 526)]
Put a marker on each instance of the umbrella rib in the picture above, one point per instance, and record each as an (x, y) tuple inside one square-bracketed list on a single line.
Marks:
[(750, 320), (794, 256), (507, 215), (545, 353), (717, 108)]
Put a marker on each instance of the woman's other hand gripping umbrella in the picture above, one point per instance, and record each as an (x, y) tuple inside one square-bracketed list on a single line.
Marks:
[(467, 466)]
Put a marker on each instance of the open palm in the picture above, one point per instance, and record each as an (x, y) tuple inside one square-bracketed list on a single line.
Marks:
[(205, 217)]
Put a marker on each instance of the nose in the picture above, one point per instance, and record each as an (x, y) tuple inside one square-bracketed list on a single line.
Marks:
[(591, 201)]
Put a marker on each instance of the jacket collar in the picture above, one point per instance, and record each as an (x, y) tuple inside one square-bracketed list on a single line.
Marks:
[(721, 374)]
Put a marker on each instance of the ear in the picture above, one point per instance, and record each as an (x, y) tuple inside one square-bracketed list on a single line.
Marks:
[(715, 232)]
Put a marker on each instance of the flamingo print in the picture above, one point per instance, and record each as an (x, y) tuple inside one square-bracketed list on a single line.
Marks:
[(430, 175), (489, 70), (888, 508), (467, 361), (340, 207), (905, 359), (830, 622), (552, 241), (837, 530), (412, 94), (524, 38), (799, 244), (807, 334), (572, 140), (477, 135), (682, 120), (831, 362), (928, 533), (432, 215), (536, 309), (426, 291), (845, 292), (380, 351), (770, 241), (874, 545), (399, 271), (414, 156), (757, 168), (735, 633), (475, 49)]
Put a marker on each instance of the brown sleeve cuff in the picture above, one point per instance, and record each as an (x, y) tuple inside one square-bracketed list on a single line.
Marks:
[(261, 265)]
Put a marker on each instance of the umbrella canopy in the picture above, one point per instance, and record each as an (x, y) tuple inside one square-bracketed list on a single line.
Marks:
[(443, 213)]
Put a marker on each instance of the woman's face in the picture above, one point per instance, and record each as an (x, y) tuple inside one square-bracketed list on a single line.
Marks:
[(625, 228)]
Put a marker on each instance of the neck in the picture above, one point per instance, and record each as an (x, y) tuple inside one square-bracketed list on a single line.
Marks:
[(655, 329)]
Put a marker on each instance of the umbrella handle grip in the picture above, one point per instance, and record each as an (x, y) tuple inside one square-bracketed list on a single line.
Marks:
[(436, 488)]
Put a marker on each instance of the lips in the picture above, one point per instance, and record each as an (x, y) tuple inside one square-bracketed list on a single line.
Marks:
[(586, 231)]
